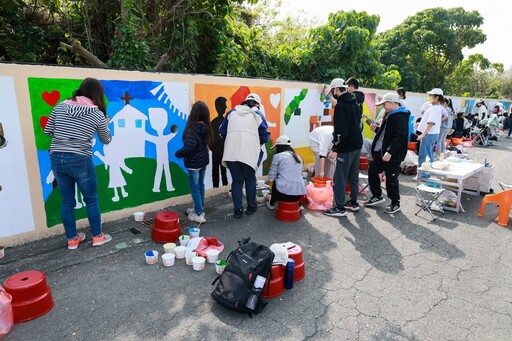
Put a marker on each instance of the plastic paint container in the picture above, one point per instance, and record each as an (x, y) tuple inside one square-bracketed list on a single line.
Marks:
[(168, 259), (189, 255), (151, 257), (194, 232), (212, 255), (184, 240), (169, 247), (219, 266), (138, 216), (180, 251), (198, 263)]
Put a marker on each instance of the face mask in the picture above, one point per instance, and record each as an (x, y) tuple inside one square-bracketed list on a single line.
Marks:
[(335, 96)]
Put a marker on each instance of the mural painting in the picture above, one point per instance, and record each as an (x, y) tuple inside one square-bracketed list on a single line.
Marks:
[(138, 166), (15, 201), (231, 96)]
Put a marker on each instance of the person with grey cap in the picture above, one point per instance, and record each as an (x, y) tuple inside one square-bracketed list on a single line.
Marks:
[(347, 143), (245, 130), (286, 173), (389, 149)]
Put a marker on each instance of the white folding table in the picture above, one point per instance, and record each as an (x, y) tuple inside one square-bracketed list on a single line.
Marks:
[(458, 171)]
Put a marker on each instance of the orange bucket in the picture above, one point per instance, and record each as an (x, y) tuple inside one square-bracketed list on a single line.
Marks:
[(320, 182), (456, 141), (412, 146), (448, 141)]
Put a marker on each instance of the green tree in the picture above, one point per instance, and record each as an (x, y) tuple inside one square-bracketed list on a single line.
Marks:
[(428, 46)]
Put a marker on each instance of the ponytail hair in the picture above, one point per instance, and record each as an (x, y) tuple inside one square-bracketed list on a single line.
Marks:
[(287, 148)]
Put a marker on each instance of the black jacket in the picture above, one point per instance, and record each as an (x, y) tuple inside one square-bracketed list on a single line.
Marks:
[(195, 149), (347, 118), (395, 128)]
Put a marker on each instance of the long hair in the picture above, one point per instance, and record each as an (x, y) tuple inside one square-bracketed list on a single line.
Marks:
[(92, 89), (199, 113), (287, 148), (449, 102)]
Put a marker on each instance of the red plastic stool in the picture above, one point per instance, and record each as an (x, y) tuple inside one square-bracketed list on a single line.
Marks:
[(288, 211), (299, 271), (363, 163), (276, 280), (31, 295), (166, 228)]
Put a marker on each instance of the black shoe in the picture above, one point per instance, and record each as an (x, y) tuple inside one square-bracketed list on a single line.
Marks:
[(251, 209), (335, 212), (393, 208), (374, 201), (352, 206), (238, 214)]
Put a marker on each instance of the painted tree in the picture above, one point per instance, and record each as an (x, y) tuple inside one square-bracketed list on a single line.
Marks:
[(428, 46)]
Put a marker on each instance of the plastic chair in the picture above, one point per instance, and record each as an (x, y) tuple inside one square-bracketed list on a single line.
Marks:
[(430, 196), (363, 185), (504, 201)]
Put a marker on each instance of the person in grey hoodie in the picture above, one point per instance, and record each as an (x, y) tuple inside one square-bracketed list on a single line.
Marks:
[(72, 126)]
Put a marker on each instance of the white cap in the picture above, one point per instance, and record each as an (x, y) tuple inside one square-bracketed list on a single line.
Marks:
[(280, 253), (282, 140), (253, 97), (338, 83), (389, 97), (435, 91)]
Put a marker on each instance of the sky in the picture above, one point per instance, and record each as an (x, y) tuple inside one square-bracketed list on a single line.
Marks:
[(496, 13)]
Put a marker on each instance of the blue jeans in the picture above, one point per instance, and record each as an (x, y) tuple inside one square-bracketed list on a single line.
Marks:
[(241, 172), (347, 170), (427, 148), (196, 182), (70, 169)]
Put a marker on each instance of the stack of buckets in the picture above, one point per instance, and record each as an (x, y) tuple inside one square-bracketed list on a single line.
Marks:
[(288, 211), (274, 286), (166, 228), (31, 295)]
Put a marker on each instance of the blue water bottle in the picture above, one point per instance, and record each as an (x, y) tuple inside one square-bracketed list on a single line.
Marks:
[(288, 277)]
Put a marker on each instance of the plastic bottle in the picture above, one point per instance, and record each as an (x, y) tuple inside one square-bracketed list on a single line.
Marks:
[(288, 278), (254, 297)]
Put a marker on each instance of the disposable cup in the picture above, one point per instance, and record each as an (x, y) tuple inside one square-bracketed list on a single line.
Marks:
[(212, 255), (152, 257), (138, 216), (168, 259), (169, 247), (189, 255), (194, 232), (198, 263), (261, 183), (184, 240), (219, 266), (2, 252), (180, 251)]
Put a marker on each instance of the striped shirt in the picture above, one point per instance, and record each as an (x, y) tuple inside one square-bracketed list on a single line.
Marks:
[(72, 128)]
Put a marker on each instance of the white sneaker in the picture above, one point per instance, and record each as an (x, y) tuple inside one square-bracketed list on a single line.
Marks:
[(190, 210), (415, 178), (197, 218), (270, 207)]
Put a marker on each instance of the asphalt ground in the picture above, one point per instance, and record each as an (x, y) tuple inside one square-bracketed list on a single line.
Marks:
[(369, 276)]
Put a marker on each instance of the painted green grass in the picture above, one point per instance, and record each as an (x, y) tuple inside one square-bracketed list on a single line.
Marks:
[(139, 187)]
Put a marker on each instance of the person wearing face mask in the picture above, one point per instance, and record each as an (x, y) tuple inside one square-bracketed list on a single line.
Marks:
[(347, 143)]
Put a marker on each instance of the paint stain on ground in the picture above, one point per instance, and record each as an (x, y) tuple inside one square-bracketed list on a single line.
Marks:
[(122, 245)]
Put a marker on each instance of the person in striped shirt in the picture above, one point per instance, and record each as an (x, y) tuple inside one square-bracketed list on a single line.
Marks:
[(72, 125)]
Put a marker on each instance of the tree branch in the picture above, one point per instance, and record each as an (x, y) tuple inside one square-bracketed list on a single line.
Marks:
[(77, 48)]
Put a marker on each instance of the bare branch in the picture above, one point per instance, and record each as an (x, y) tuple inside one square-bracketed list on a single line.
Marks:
[(77, 48)]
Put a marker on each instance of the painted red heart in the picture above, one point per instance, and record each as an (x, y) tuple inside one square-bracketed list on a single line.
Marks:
[(43, 120), (51, 98)]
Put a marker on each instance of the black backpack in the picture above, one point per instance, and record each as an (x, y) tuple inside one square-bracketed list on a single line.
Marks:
[(235, 284)]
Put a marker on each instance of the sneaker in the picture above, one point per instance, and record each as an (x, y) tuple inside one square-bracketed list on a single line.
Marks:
[(352, 206), (393, 208), (251, 209), (373, 201), (190, 210), (335, 212), (103, 238), (270, 207), (415, 178), (238, 213), (73, 243), (197, 218)]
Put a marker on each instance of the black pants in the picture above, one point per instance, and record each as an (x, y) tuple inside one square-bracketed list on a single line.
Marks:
[(278, 196), (392, 170), (216, 164)]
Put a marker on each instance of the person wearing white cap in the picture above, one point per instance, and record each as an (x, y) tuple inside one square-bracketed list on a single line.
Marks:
[(320, 141), (430, 126), (347, 143), (286, 173), (480, 111), (389, 148), (245, 130)]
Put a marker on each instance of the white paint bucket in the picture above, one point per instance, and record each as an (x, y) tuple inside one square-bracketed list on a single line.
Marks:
[(138, 216), (198, 263), (180, 251), (212, 255), (168, 259)]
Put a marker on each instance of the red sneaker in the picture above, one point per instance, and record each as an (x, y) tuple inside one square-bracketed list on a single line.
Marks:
[(73, 243), (103, 238)]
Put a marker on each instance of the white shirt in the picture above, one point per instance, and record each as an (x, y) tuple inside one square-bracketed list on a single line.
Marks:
[(320, 140), (432, 115)]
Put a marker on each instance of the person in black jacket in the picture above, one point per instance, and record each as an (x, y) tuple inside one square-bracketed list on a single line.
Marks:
[(197, 135), (347, 143), (389, 149), (217, 147)]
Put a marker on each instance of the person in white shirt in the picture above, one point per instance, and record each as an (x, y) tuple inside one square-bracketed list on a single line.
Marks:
[(429, 126), (320, 140)]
